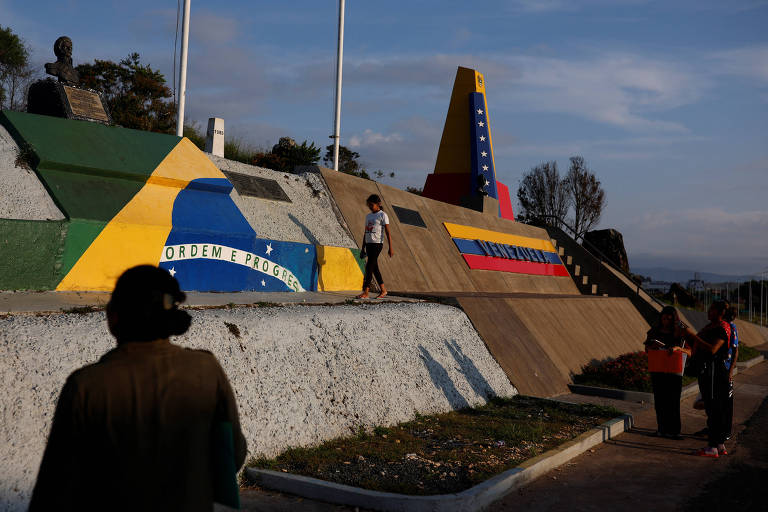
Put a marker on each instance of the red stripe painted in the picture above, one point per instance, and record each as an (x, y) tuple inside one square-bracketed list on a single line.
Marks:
[(520, 267)]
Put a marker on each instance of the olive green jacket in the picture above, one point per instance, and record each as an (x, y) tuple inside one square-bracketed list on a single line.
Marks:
[(134, 432)]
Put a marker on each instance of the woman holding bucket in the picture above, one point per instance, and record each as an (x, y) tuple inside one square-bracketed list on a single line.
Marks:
[(667, 350)]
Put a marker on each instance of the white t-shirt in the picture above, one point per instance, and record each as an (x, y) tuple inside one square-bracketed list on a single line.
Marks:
[(374, 227)]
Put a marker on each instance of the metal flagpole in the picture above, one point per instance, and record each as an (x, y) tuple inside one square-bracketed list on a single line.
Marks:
[(337, 113), (183, 71)]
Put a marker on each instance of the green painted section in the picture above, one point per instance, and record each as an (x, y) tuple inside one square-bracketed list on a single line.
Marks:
[(360, 261), (80, 236), (90, 170), (30, 254)]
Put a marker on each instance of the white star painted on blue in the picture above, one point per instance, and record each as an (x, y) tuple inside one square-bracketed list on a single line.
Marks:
[(483, 154), (269, 249), (482, 138), (486, 182), (263, 283), (480, 111), (172, 271), (485, 167), (481, 124)]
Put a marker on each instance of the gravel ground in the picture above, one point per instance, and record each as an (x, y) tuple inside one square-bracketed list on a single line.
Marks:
[(22, 195), (308, 218), (301, 374)]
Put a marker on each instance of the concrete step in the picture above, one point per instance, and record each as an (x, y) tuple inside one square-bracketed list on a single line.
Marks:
[(594, 289), (577, 270), (584, 280), (569, 260), (561, 251)]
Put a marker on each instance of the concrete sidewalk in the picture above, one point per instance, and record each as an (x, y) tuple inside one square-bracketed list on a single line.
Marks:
[(636, 468), (56, 302), (633, 470)]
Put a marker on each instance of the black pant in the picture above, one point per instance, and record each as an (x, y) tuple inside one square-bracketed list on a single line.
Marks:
[(372, 264), (666, 398), (714, 385), (729, 410)]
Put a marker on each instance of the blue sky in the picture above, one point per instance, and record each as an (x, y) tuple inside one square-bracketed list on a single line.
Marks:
[(667, 101)]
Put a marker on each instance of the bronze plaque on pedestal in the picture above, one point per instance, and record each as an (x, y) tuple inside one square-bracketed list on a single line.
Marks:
[(84, 104)]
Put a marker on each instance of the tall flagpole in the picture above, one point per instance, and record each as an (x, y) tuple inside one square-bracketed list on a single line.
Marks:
[(183, 71), (339, 61)]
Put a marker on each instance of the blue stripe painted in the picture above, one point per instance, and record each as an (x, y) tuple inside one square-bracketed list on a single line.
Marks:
[(466, 246), (481, 143)]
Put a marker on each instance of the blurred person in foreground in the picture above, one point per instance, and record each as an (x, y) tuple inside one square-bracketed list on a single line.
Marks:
[(137, 429)]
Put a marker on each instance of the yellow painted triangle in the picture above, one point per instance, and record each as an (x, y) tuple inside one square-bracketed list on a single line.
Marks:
[(137, 234)]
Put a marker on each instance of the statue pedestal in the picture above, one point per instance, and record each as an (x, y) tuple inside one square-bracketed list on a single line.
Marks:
[(51, 98)]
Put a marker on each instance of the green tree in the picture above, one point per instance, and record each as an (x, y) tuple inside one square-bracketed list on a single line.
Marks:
[(15, 72), (137, 95), (347, 160), (287, 154)]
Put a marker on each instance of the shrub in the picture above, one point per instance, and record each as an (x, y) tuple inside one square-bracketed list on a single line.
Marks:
[(628, 371)]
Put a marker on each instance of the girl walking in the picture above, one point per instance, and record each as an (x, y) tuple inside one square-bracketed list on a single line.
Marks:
[(376, 224)]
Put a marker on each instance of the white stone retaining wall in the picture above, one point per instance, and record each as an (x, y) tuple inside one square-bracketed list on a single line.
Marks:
[(302, 374), (22, 194)]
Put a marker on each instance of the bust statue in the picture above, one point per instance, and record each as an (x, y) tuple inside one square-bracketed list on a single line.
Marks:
[(62, 68)]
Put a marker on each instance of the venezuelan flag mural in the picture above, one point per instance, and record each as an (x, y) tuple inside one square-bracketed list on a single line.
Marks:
[(133, 197), (465, 168), (483, 249)]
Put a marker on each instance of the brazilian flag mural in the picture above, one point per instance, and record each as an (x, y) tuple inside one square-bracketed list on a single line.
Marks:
[(130, 198)]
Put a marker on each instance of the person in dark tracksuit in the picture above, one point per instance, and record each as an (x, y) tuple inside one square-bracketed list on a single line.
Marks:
[(668, 334), (376, 225), (714, 378)]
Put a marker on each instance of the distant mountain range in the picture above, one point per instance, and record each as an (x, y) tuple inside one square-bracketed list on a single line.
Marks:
[(683, 276)]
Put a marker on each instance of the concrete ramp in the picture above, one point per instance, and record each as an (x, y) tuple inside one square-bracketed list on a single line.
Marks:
[(429, 258), (540, 342)]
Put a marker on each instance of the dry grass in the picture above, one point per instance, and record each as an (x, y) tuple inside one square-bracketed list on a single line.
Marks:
[(443, 453)]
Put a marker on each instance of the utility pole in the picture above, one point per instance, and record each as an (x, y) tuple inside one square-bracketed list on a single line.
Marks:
[(183, 70), (337, 114)]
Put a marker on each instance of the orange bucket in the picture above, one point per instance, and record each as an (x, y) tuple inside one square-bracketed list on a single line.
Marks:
[(661, 361)]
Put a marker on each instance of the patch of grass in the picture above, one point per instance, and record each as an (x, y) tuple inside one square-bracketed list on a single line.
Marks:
[(81, 310), (25, 157), (233, 329), (746, 353), (443, 453)]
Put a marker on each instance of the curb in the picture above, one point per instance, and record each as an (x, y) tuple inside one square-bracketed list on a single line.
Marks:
[(749, 364), (469, 500), (628, 396)]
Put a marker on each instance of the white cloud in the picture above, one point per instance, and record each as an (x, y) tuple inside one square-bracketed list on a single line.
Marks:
[(703, 236), (371, 138), (751, 62)]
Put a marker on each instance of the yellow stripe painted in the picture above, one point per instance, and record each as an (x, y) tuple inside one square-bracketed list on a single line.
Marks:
[(137, 234), (470, 233), (338, 269)]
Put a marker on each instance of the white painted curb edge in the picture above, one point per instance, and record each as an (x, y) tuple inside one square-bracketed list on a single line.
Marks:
[(472, 499)]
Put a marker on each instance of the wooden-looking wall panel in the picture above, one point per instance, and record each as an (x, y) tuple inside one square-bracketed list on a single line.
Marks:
[(514, 347)]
